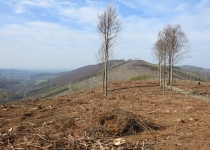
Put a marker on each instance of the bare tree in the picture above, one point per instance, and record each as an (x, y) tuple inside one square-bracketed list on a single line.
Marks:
[(171, 47), (157, 53), (161, 53), (109, 27), (100, 59), (162, 38), (178, 47), (206, 74)]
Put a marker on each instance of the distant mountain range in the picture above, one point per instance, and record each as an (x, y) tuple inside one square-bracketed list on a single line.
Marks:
[(9, 73), (40, 84), (194, 69)]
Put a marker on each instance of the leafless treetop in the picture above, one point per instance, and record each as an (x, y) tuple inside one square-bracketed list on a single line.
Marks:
[(109, 26)]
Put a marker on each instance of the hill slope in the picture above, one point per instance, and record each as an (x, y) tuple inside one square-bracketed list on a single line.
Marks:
[(194, 69), (43, 85), (90, 76), (135, 111)]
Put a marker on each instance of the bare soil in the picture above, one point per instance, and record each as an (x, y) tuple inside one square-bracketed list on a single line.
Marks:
[(135, 111), (198, 88)]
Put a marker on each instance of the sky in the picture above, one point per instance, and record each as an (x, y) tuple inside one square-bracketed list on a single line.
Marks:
[(62, 34)]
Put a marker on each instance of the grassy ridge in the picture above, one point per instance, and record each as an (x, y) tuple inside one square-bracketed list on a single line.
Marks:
[(44, 79), (55, 91), (142, 77)]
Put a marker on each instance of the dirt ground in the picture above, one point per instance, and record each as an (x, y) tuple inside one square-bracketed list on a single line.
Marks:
[(199, 88), (135, 115)]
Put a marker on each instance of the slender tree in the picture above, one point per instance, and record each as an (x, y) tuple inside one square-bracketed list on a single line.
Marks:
[(178, 47), (172, 45), (100, 59), (162, 38), (160, 51), (109, 27), (157, 53)]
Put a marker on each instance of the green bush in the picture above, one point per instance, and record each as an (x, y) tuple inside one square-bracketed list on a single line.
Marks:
[(142, 77)]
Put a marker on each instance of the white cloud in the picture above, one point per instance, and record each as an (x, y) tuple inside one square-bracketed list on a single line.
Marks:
[(46, 45), (68, 37), (155, 8), (139, 33), (36, 3), (21, 6), (128, 4), (19, 10), (80, 15), (202, 4), (65, 10)]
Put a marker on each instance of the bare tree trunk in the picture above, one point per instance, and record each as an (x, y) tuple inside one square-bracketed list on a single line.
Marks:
[(103, 79), (171, 84), (172, 62), (205, 74), (164, 78), (160, 75), (190, 76), (105, 74), (169, 70), (197, 76)]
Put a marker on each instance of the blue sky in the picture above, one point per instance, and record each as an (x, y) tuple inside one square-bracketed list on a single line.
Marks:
[(62, 34)]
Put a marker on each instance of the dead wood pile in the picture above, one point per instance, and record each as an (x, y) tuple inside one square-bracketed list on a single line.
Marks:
[(103, 132)]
